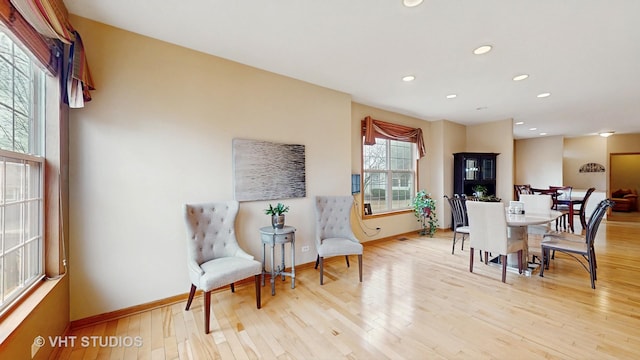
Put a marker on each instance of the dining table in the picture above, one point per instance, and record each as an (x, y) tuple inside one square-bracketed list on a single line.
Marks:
[(517, 228), (570, 203)]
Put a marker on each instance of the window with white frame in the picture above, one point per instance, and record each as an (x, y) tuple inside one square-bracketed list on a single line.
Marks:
[(22, 92), (389, 175)]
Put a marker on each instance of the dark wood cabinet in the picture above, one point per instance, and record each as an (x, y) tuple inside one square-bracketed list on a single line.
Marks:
[(472, 169)]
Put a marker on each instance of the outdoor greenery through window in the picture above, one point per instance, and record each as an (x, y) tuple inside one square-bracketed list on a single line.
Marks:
[(389, 170), (21, 169)]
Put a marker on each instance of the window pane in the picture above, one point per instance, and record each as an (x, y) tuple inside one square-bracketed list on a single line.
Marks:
[(375, 189), (6, 84), (401, 155), (32, 220), (22, 60), (11, 274), (14, 181), (12, 225), (22, 94), (375, 156), (5, 47), (21, 134), (33, 259), (402, 190), (33, 177), (6, 128)]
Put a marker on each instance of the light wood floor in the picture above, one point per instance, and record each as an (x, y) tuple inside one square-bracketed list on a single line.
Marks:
[(417, 301)]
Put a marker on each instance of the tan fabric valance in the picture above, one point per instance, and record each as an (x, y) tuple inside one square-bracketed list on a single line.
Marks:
[(51, 19), (372, 129), (40, 46)]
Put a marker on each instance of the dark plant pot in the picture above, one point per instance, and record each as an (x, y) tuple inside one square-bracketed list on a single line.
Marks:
[(277, 221)]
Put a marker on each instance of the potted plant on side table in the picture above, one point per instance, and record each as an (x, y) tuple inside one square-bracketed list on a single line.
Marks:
[(424, 208), (277, 215)]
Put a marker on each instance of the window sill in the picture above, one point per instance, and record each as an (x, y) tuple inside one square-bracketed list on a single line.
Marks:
[(18, 313), (388, 213)]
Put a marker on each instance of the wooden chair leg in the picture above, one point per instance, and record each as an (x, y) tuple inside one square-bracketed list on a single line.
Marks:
[(233, 289), (360, 266), (258, 294), (520, 267), (486, 258), (471, 251), (192, 292), (347, 258), (504, 268), (321, 269), (207, 310), (317, 261)]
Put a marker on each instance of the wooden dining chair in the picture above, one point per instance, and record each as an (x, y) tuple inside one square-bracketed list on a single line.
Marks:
[(581, 210), (576, 246), (524, 189), (561, 193), (459, 213)]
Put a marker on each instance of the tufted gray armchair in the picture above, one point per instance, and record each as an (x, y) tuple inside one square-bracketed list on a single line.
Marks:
[(333, 231), (214, 258)]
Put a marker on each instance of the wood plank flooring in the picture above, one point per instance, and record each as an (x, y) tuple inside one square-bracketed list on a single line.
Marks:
[(416, 301)]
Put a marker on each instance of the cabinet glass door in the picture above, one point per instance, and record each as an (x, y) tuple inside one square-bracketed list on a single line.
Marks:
[(471, 169), (488, 169)]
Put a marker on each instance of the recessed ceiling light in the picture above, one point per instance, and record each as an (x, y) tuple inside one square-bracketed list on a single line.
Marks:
[(606, 133), (520, 123), (482, 49), (543, 133), (533, 129), (544, 95), (411, 3), (452, 96), (408, 78), (520, 77)]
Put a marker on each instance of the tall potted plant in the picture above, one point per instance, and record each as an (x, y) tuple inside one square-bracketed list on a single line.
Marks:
[(277, 215), (424, 208)]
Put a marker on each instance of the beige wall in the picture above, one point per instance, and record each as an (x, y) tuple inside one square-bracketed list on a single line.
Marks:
[(158, 135), (496, 137), (539, 161), (623, 143), (453, 139), (582, 150)]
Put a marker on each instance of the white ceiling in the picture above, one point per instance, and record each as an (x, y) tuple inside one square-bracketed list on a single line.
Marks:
[(586, 53)]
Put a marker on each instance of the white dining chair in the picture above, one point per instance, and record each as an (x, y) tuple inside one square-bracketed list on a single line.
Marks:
[(537, 204), (488, 232)]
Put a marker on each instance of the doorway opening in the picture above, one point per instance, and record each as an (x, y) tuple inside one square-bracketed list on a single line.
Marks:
[(624, 186)]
